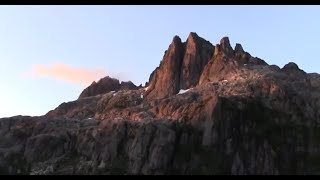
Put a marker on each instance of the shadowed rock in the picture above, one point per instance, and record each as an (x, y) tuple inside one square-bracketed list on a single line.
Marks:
[(238, 116)]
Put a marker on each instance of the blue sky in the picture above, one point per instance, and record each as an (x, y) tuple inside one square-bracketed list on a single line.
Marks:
[(128, 42)]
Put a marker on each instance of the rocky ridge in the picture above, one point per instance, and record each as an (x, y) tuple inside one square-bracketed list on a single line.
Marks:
[(106, 85), (206, 110)]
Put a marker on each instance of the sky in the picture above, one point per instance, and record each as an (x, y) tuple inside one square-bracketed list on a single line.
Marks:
[(49, 54)]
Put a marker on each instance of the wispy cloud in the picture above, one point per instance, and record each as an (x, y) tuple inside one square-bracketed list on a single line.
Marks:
[(75, 75)]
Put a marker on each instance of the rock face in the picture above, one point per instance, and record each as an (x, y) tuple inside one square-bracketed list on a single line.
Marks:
[(241, 116), (127, 85), (180, 67), (166, 79), (106, 85), (225, 63), (197, 54)]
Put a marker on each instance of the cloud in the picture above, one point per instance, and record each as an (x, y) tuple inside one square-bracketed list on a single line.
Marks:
[(67, 73)]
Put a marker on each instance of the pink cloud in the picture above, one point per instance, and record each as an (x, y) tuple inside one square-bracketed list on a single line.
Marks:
[(64, 72)]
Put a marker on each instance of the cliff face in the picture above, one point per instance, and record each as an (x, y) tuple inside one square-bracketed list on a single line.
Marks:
[(166, 79), (238, 116), (180, 67), (197, 53)]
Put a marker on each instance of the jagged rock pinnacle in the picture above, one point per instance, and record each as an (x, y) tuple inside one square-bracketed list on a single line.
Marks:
[(238, 48)]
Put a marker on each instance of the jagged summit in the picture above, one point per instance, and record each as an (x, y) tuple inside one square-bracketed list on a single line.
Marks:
[(206, 110), (176, 40), (184, 65), (106, 85), (225, 46), (198, 62), (194, 37), (238, 48)]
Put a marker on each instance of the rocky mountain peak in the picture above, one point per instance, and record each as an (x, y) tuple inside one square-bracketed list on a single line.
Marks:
[(192, 35), (225, 43), (238, 48), (291, 66), (202, 113), (225, 46), (181, 66), (176, 40), (293, 69), (168, 72), (193, 38), (127, 85), (194, 62), (105, 85)]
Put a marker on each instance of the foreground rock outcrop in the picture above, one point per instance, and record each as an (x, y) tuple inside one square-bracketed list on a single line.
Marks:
[(234, 115)]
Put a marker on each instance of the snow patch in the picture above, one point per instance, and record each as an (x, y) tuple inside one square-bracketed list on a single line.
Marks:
[(245, 64), (141, 96), (146, 88), (183, 91)]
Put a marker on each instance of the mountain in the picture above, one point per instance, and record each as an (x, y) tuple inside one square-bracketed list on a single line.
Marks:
[(106, 85), (207, 109)]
